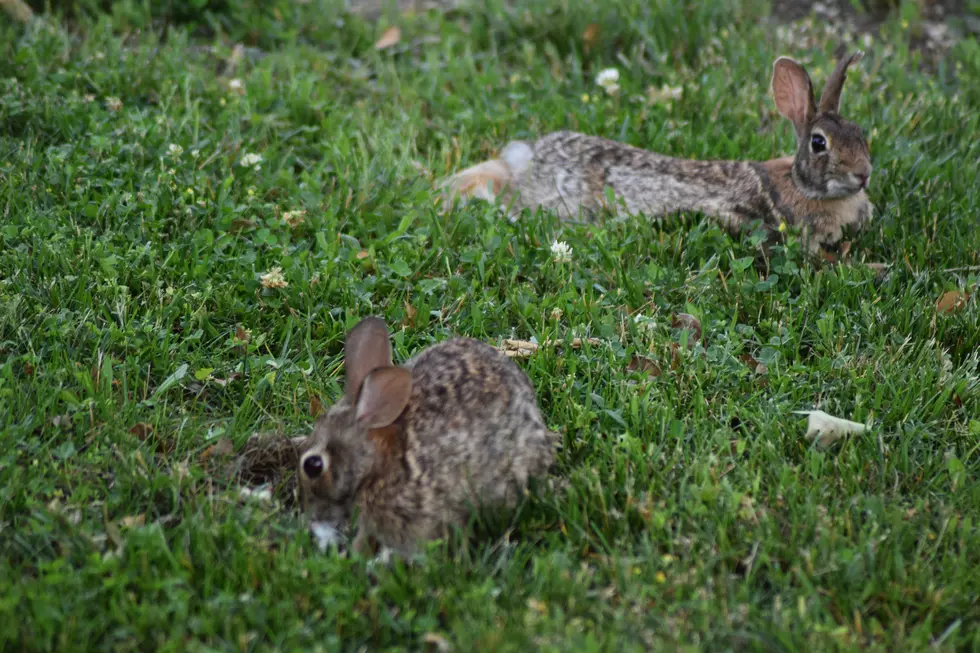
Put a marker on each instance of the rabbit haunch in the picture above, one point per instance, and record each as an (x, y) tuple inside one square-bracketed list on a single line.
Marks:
[(416, 447), (821, 189)]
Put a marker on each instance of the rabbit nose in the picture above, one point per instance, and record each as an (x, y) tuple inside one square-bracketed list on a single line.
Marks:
[(313, 466)]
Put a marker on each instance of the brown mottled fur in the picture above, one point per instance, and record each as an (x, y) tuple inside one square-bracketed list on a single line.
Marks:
[(819, 192), (470, 434)]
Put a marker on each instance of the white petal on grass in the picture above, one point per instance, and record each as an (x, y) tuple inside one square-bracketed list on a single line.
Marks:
[(827, 429), (175, 150)]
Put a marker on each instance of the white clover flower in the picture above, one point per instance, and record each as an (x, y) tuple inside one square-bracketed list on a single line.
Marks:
[(237, 86), (274, 278), (608, 79), (561, 252), (251, 160), (113, 104), (175, 150)]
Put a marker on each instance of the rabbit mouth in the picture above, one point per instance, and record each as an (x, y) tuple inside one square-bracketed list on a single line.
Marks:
[(845, 186)]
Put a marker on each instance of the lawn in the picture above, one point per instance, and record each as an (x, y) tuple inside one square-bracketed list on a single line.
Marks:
[(155, 183)]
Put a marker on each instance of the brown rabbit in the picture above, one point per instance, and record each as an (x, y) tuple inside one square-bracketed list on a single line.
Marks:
[(415, 447), (821, 190)]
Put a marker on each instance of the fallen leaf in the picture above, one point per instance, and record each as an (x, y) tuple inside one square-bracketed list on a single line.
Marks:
[(389, 37), (951, 301), (223, 382), (141, 430), (223, 447), (133, 521), (644, 364), (687, 322), (316, 406), (241, 225), (183, 470), (590, 36), (410, 313), (242, 334), (440, 643), (361, 255), (753, 364), (826, 429), (61, 421)]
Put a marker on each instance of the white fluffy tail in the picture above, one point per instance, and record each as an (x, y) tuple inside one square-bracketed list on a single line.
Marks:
[(485, 181)]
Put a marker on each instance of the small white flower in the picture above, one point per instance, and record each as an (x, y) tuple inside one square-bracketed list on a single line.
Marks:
[(113, 104), (608, 77), (237, 86), (561, 251), (251, 160), (274, 278), (609, 80), (195, 153), (175, 150)]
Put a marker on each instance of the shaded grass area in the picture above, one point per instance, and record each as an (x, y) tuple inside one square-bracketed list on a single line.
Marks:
[(136, 334)]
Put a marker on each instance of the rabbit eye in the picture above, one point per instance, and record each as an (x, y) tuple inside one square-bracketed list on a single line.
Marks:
[(818, 143), (313, 467)]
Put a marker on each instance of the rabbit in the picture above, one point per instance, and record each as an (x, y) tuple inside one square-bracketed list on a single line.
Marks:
[(415, 447), (820, 190)]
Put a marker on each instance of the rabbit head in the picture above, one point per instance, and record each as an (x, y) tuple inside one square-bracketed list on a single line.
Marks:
[(832, 158), (344, 450)]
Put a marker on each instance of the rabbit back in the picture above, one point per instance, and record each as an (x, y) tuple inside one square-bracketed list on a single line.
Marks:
[(573, 174), (472, 434)]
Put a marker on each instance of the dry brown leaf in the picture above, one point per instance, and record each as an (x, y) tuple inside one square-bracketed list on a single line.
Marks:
[(316, 406), (141, 430), (133, 521), (243, 335), (361, 255), (223, 447), (223, 382), (590, 36), (952, 301), (644, 364), (410, 313), (389, 37), (688, 322), (753, 364), (241, 225)]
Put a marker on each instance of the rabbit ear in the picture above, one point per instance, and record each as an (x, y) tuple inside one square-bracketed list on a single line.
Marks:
[(793, 93), (366, 349), (830, 98), (383, 397)]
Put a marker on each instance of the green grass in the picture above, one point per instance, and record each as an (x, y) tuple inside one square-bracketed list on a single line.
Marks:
[(696, 515)]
